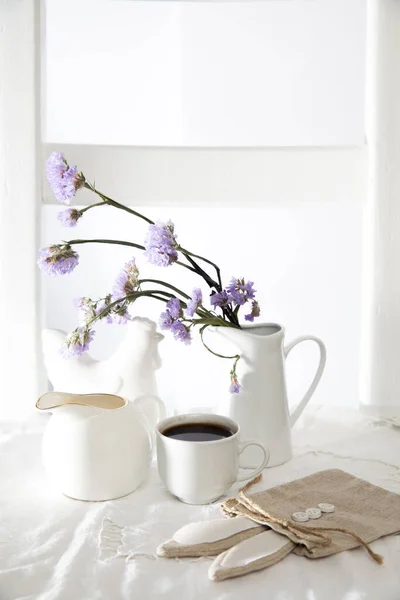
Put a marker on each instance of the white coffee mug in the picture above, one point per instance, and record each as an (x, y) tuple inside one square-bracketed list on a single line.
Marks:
[(199, 472)]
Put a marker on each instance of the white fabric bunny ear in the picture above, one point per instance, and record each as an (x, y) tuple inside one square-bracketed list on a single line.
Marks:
[(243, 546), (209, 538), (254, 554)]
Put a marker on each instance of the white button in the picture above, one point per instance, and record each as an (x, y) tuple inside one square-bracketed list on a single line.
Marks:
[(313, 513), (326, 508), (302, 517)]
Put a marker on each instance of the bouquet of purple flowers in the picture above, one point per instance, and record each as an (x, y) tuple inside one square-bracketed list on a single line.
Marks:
[(181, 311)]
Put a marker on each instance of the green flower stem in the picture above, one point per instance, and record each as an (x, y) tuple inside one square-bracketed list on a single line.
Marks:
[(221, 322), (168, 285), (235, 356), (188, 254), (217, 321), (116, 204), (210, 282), (158, 298), (101, 241), (216, 267), (120, 243), (194, 266), (210, 317), (232, 314), (233, 370), (83, 210), (130, 297), (205, 315)]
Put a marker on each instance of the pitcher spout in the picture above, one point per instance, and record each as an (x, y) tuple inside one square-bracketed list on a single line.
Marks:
[(233, 334), (52, 400), (252, 335)]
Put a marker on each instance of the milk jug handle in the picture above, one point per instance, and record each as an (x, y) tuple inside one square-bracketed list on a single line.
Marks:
[(152, 407), (322, 360)]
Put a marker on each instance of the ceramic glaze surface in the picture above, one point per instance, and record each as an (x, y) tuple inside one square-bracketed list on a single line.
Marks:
[(261, 406), (97, 447)]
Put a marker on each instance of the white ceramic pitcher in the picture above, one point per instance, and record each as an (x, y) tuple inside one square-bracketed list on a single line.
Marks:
[(98, 446), (261, 407)]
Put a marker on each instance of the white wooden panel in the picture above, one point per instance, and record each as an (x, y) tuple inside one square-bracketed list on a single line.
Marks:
[(164, 73), (380, 373), (218, 177), (20, 358)]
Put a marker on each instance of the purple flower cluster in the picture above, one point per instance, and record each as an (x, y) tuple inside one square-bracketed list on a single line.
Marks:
[(255, 311), (58, 260), (180, 332), (69, 217), (127, 281), (174, 308), (78, 342), (235, 386), (221, 299), (166, 320), (102, 310), (194, 302), (241, 291), (119, 314), (64, 180), (161, 245), (237, 293), (86, 309), (170, 320)]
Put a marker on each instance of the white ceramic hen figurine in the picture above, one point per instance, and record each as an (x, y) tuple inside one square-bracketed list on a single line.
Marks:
[(129, 372)]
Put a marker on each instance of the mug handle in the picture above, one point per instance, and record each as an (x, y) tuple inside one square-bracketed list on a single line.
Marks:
[(313, 386), (255, 472)]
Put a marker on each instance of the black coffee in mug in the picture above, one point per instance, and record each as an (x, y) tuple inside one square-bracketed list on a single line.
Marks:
[(197, 432)]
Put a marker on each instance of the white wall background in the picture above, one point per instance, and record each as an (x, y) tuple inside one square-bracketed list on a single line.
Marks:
[(297, 233), (165, 73)]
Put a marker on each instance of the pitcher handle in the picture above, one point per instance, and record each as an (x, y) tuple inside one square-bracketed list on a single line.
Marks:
[(152, 407), (322, 360)]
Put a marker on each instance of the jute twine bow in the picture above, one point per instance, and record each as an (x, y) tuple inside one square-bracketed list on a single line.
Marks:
[(246, 507)]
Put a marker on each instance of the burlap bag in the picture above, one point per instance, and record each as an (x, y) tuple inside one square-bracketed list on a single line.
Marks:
[(363, 513)]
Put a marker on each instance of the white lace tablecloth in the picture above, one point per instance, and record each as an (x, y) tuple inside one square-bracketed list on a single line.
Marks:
[(55, 548)]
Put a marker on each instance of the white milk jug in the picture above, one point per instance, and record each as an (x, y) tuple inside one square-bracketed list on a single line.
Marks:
[(261, 406), (98, 446)]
